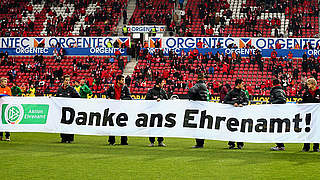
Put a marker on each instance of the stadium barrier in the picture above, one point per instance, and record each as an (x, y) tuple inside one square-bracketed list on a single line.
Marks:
[(288, 123), (64, 42), (98, 51), (254, 100), (209, 42), (103, 51), (243, 52)]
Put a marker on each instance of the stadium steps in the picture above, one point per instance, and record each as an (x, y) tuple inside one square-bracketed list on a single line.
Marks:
[(129, 69), (178, 12), (130, 9), (91, 9)]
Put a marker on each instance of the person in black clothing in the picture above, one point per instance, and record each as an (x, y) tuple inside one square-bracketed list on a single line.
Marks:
[(277, 96), (157, 93), (67, 91), (237, 97), (118, 91), (199, 92), (312, 95)]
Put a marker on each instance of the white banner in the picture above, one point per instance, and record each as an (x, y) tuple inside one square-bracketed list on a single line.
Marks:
[(145, 29), (287, 123)]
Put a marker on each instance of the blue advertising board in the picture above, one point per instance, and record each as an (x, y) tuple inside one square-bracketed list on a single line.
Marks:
[(242, 52), (102, 51)]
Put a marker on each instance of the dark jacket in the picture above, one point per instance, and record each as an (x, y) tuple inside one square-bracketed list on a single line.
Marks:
[(155, 93), (198, 92), (68, 92), (308, 98), (125, 93), (277, 95), (236, 96)]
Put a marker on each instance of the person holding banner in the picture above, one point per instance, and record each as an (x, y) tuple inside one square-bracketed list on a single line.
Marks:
[(277, 96), (67, 91), (238, 98), (118, 91), (199, 92), (157, 93), (4, 91), (311, 95)]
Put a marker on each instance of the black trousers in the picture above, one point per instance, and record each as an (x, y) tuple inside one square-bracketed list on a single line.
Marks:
[(232, 143), (199, 142), (153, 139), (67, 137), (307, 146), (280, 145), (112, 139), (7, 134)]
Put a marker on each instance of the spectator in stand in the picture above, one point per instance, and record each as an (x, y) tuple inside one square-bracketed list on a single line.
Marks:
[(4, 91), (181, 4), (125, 30), (274, 55), (278, 45), (311, 95), (290, 56), (199, 44), (128, 81), (211, 70), (84, 89), (32, 91), (121, 64), (124, 14), (246, 91), (15, 90), (23, 88), (76, 86), (250, 91)]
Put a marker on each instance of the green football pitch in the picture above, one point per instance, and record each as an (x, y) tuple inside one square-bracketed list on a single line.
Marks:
[(41, 156)]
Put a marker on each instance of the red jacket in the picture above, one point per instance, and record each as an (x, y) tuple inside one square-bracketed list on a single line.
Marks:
[(273, 54), (195, 52), (200, 44)]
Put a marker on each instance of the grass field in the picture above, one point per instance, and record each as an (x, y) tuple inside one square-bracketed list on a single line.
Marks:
[(40, 156)]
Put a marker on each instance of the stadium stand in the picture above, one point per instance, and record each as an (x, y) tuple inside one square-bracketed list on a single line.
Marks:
[(60, 18), (245, 18), (152, 12), (181, 73), (46, 74)]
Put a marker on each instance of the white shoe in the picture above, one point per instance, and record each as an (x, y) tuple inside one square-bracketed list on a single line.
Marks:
[(151, 145), (277, 148), (162, 144), (8, 139)]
